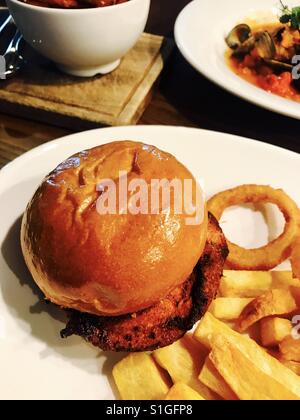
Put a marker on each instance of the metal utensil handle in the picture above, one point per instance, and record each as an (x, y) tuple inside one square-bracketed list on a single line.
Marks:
[(15, 42), (5, 23)]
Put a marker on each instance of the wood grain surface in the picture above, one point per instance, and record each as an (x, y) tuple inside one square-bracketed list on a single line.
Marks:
[(117, 98), (184, 98)]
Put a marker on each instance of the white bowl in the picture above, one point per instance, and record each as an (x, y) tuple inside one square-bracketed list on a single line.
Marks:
[(82, 42)]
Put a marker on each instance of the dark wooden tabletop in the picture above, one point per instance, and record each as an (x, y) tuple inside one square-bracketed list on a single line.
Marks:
[(183, 98)]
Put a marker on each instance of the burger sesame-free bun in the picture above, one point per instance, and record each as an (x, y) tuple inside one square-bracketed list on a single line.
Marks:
[(107, 264)]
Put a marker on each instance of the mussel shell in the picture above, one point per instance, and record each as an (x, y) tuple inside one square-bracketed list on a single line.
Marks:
[(238, 35), (265, 45), (279, 65), (245, 48)]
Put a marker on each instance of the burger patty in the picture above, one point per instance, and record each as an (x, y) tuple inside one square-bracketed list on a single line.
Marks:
[(168, 320)]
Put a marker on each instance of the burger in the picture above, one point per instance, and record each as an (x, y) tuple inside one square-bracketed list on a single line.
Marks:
[(129, 280)]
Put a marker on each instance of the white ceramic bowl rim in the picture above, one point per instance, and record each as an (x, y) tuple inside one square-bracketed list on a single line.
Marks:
[(87, 10)]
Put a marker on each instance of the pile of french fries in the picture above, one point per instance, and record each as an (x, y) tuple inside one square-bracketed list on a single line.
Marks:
[(247, 347)]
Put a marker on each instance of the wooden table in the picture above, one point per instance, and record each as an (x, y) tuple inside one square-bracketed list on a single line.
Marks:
[(183, 98)]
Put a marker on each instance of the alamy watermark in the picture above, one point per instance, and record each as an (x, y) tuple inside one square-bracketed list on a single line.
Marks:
[(296, 68), (138, 196), (296, 327)]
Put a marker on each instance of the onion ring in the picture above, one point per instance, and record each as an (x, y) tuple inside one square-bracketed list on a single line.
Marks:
[(295, 260), (277, 251)]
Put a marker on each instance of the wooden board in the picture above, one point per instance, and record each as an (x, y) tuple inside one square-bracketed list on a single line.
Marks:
[(41, 92)]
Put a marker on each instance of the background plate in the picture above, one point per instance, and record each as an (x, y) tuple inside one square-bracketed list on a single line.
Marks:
[(200, 31)]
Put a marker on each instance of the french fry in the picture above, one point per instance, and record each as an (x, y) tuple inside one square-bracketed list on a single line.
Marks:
[(229, 309), (213, 380), (244, 376), (294, 366), (274, 330), (251, 284), (274, 302), (209, 329), (296, 294), (139, 378), (183, 360), (290, 349), (182, 392)]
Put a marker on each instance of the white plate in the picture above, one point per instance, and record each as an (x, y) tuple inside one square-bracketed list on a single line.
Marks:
[(34, 362), (200, 31)]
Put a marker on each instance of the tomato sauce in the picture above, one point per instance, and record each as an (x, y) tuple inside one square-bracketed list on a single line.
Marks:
[(265, 78)]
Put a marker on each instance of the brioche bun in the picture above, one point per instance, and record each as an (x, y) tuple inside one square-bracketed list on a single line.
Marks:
[(112, 264)]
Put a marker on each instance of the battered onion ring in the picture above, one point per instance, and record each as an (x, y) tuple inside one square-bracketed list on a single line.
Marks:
[(277, 251), (296, 258)]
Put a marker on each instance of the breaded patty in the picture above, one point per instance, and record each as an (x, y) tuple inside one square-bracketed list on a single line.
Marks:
[(168, 320)]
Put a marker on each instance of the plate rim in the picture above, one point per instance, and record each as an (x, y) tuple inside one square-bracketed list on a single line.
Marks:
[(70, 137)]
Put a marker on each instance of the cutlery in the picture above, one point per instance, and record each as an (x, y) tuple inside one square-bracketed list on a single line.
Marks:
[(13, 59), (6, 23)]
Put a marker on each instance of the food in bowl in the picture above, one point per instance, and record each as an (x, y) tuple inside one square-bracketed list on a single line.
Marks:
[(267, 55), (133, 282), (74, 4)]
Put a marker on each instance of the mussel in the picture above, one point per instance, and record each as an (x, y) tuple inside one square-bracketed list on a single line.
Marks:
[(245, 48), (279, 66), (238, 35), (265, 45), (241, 40), (266, 49)]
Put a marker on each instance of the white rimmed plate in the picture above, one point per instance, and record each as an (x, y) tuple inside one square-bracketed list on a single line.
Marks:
[(200, 31), (34, 362)]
